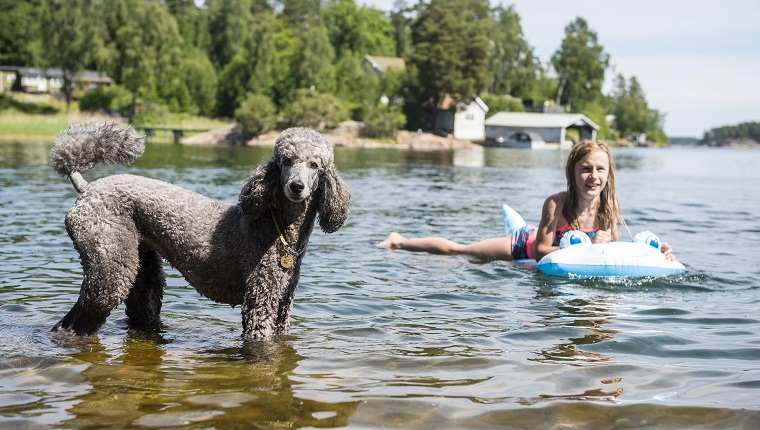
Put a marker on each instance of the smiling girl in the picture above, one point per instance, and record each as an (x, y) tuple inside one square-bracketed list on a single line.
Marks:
[(590, 205)]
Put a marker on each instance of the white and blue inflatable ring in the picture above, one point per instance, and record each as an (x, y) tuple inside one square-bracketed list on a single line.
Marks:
[(578, 257), (619, 259)]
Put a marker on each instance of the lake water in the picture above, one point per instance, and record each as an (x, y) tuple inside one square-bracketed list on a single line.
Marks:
[(394, 339)]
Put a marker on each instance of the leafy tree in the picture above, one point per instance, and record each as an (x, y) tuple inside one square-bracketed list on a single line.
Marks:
[(253, 69), (355, 85), (512, 65), (314, 109), (191, 22), (17, 29), (580, 64), (725, 135), (287, 47), (450, 43), (300, 15), (656, 126), (107, 97), (596, 112), (630, 109), (199, 78), (498, 103), (632, 113), (383, 120), (401, 32), (68, 33), (231, 26), (256, 115), (313, 63), (357, 30), (142, 46)]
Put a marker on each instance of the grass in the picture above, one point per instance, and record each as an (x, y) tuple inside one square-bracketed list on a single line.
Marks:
[(18, 125)]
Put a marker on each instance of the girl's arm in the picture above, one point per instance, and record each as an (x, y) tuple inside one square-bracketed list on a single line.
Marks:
[(605, 236), (550, 217), (668, 251)]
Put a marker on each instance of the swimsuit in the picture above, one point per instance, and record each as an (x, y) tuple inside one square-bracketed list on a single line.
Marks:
[(522, 241)]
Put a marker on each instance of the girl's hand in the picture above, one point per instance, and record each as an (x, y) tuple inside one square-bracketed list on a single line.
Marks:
[(602, 236), (668, 252)]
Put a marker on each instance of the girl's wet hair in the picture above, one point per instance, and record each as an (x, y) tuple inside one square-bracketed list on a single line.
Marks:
[(608, 213)]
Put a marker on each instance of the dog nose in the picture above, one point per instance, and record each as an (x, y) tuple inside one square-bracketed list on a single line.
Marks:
[(296, 187)]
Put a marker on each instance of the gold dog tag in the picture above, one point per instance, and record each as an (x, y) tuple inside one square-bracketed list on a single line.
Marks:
[(286, 261)]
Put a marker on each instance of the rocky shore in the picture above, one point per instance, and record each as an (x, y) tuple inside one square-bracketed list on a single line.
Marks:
[(346, 135)]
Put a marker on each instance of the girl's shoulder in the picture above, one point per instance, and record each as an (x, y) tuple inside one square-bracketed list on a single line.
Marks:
[(554, 205), (558, 199)]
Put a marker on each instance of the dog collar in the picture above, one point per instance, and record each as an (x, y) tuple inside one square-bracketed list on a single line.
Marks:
[(287, 260)]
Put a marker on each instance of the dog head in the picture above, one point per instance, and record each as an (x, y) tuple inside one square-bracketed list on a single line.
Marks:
[(302, 156), (301, 167)]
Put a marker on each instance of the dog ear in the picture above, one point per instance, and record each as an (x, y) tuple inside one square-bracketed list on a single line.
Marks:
[(334, 202), (259, 192)]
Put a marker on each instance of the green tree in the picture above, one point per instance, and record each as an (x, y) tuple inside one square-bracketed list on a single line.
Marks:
[(383, 120), (630, 107), (400, 22), (357, 30), (632, 112), (355, 85), (724, 135), (256, 115), (198, 76), (580, 64), (596, 112), (313, 65), (142, 48), (316, 110), (112, 97), (18, 26), (191, 22), (253, 68), (512, 64), (299, 14), (498, 103), (450, 43), (230, 25), (66, 27)]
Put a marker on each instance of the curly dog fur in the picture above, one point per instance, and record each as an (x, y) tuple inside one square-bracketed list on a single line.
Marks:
[(123, 225)]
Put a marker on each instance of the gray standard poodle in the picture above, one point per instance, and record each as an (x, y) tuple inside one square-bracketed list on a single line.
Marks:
[(247, 254)]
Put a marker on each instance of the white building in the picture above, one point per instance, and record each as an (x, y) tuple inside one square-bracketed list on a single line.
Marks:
[(469, 120), (551, 127)]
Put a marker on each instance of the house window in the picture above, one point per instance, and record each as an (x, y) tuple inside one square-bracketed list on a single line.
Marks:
[(470, 117)]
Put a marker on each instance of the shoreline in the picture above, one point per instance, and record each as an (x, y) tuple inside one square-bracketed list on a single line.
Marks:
[(346, 136)]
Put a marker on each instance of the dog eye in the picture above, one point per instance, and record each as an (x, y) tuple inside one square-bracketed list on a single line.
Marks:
[(287, 162), (314, 165)]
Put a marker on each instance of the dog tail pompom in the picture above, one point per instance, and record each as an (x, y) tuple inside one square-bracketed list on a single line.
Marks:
[(83, 145)]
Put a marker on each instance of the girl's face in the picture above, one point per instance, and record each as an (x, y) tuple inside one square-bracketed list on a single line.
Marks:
[(592, 174)]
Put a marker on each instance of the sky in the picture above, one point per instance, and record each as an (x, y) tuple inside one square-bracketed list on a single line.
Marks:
[(698, 61)]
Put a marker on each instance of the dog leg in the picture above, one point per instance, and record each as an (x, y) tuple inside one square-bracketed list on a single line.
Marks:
[(110, 262), (259, 308), (82, 320), (143, 304)]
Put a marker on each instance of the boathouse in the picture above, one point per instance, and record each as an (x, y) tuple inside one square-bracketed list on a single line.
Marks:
[(551, 127)]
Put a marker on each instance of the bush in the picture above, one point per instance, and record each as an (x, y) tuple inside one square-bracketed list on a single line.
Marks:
[(151, 113), (256, 115), (383, 121), (497, 103), (316, 110), (106, 97), (8, 102)]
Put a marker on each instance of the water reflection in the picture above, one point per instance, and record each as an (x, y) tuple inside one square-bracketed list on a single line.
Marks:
[(144, 384), (577, 315)]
